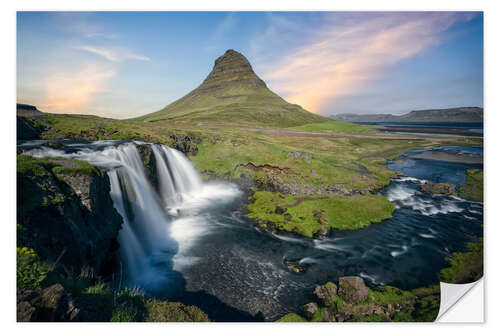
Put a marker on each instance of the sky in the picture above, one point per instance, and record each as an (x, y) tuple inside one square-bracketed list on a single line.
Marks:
[(126, 64)]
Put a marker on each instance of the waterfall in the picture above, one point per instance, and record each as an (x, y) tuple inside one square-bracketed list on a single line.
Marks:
[(159, 223)]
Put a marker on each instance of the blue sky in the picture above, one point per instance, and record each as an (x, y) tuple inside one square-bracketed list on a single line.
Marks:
[(127, 64)]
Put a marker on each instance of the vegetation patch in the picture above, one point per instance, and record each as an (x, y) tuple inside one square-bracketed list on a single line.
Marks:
[(335, 126), (473, 187), (30, 269), (317, 214), (466, 267)]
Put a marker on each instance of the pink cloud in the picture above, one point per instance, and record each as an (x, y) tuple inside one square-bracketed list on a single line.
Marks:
[(72, 91), (342, 58)]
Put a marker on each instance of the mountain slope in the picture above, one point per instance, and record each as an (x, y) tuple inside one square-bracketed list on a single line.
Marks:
[(463, 114), (233, 94)]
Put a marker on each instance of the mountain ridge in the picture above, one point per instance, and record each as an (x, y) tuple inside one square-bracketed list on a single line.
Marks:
[(458, 114), (232, 92)]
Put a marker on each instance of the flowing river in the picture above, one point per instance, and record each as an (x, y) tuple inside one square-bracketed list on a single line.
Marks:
[(190, 241)]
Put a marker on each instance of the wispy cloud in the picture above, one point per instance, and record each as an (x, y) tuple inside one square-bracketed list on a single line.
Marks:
[(114, 55), (350, 53), (72, 91)]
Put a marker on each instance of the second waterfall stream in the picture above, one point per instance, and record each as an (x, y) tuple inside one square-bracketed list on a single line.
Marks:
[(160, 219)]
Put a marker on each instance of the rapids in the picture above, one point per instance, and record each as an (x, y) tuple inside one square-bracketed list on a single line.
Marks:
[(189, 240)]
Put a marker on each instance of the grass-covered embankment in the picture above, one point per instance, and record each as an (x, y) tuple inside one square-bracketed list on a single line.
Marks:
[(310, 215), (473, 187), (465, 267)]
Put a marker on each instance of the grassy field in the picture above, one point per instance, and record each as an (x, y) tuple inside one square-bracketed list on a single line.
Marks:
[(295, 163), (305, 216), (473, 187)]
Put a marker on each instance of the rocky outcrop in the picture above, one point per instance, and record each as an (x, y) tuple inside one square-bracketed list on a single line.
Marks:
[(67, 215), (438, 188), (352, 289), (149, 160), (49, 304), (274, 180), (185, 143), (297, 155), (26, 130), (327, 293), (353, 301), (310, 309)]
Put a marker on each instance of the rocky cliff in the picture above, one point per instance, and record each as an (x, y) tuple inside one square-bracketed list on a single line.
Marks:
[(65, 213)]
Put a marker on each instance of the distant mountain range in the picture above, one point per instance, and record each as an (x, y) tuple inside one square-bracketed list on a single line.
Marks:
[(233, 94), (456, 115)]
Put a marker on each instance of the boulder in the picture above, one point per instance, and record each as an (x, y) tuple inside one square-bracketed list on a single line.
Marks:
[(352, 289), (299, 155), (294, 265), (438, 188), (279, 209), (310, 309), (327, 293), (49, 304)]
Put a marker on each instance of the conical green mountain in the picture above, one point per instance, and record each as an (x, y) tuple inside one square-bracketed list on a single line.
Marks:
[(233, 94)]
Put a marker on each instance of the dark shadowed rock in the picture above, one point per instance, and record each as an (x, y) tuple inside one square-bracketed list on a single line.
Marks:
[(49, 304), (67, 216), (279, 209), (310, 309), (352, 289), (149, 161), (26, 130)]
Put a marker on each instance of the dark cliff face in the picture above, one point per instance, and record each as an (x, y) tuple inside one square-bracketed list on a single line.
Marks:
[(26, 130), (66, 215)]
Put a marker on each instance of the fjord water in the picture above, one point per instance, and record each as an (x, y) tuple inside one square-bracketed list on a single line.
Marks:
[(189, 240)]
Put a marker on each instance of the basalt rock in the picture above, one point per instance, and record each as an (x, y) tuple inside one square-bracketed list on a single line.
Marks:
[(352, 289), (149, 160), (327, 293), (185, 143), (49, 304), (310, 309), (438, 188), (26, 130), (68, 218)]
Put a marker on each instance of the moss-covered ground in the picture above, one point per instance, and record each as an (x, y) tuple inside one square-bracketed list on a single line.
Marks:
[(465, 267), (473, 187), (383, 304), (340, 212)]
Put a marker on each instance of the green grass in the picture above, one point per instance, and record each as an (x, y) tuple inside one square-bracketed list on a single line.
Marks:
[(335, 126), (466, 267), (473, 187), (418, 305), (342, 212), (291, 318), (130, 305), (79, 168), (31, 271), (389, 295)]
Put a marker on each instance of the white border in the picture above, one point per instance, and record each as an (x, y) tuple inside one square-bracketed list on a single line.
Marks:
[(8, 63)]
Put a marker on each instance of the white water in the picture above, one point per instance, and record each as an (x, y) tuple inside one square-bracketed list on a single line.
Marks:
[(161, 224), (405, 197)]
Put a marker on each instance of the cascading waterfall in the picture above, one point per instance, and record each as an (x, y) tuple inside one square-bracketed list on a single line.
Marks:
[(147, 243)]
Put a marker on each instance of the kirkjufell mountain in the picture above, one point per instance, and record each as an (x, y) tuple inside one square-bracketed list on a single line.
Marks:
[(232, 92)]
